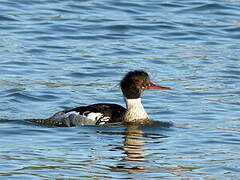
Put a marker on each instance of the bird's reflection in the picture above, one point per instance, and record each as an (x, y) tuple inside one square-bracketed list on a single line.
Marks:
[(137, 158), (133, 144), (133, 147)]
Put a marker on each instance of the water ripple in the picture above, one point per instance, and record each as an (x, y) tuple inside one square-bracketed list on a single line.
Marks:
[(57, 55)]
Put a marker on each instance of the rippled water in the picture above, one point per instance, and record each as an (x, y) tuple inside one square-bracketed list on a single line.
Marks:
[(56, 55)]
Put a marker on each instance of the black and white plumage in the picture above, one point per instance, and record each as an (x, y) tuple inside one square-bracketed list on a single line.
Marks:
[(132, 86)]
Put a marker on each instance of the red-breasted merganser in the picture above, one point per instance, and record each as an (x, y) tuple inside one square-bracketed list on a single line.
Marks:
[(132, 86)]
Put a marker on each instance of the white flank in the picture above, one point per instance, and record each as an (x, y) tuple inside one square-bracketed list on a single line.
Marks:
[(87, 118), (95, 116)]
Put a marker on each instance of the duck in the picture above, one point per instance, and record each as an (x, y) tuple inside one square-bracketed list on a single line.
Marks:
[(133, 84)]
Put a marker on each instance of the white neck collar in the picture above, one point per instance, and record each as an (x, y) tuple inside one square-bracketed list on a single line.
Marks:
[(135, 110)]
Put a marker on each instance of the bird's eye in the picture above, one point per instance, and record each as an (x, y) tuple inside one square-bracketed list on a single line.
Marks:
[(140, 82)]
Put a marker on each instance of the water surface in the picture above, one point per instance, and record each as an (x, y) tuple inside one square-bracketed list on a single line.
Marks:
[(56, 55)]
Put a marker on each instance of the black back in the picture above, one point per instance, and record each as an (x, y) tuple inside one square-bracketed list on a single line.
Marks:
[(114, 111)]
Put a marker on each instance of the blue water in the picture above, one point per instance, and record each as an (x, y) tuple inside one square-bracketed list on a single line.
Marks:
[(56, 55)]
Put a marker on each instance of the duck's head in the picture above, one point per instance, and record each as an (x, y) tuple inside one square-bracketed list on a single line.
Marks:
[(135, 82)]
